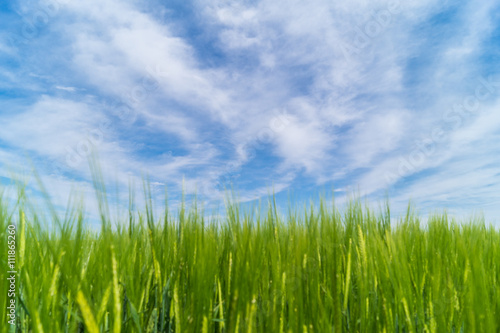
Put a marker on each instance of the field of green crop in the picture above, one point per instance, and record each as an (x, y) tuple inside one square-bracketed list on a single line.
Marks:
[(319, 269)]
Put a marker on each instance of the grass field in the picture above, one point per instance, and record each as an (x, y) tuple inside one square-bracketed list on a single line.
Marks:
[(308, 270)]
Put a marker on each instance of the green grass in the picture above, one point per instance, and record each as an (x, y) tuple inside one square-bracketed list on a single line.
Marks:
[(310, 270)]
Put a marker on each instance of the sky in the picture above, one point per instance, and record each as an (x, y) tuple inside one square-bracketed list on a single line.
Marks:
[(382, 98)]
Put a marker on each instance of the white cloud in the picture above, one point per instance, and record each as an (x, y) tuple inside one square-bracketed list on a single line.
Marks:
[(304, 144), (376, 134), (69, 89), (50, 125)]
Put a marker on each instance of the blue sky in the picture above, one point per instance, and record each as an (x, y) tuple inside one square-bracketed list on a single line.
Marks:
[(397, 97)]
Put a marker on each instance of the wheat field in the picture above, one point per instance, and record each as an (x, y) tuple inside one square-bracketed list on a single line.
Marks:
[(315, 269)]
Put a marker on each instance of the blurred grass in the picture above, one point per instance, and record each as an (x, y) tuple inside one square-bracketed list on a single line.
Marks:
[(313, 270)]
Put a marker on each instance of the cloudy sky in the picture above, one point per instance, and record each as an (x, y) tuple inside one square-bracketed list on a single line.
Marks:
[(397, 97)]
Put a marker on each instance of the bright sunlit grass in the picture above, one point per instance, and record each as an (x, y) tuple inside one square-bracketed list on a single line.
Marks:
[(314, 270)]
